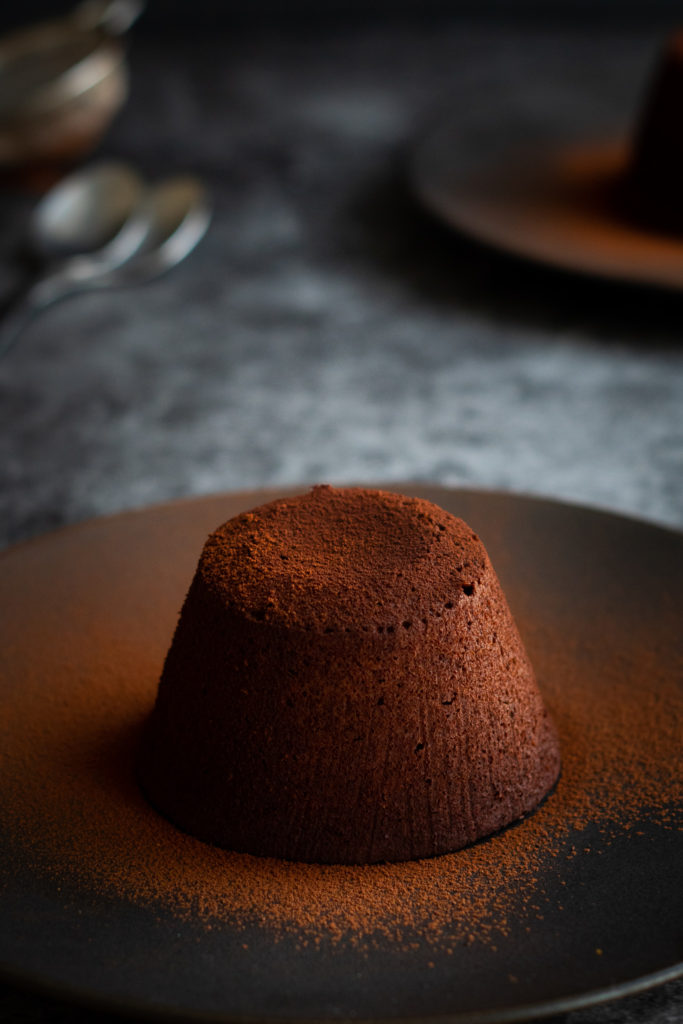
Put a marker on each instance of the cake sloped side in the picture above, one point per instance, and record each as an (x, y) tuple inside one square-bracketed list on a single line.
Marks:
[(346, 685)]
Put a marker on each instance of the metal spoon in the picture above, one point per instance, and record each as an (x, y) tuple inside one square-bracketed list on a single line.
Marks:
[(178, 213), (164, 227), (86, 225)]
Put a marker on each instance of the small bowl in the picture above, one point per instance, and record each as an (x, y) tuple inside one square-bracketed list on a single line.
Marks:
[(60, 86)]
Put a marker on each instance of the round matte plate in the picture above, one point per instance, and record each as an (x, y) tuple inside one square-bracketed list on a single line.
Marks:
[(545, 199), (588, 590)]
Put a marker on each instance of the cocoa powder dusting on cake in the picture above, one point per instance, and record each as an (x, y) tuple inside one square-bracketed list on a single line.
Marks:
[(74, 813), (365, 699)]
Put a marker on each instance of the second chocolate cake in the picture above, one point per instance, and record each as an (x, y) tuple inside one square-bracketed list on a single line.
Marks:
[(346, 685), (652, 188)]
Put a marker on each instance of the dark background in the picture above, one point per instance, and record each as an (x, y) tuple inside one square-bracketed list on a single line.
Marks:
[(176, 15)]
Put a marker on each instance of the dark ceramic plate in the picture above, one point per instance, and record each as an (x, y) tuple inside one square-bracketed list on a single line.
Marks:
[(589, 590), (545, 196)]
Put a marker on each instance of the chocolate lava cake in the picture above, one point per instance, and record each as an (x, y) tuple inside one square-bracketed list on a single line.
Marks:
[(346, 685), (655, 174)]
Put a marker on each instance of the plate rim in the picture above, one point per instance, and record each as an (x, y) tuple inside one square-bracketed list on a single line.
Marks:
[(30, 984), (433, 198)]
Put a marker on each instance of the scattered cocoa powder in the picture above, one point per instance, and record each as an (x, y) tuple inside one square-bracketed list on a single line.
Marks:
[(89, 616)]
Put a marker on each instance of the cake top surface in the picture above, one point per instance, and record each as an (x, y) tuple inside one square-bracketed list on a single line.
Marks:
[(338, 559)]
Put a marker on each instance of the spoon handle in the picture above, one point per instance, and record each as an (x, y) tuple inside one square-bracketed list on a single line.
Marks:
[(29, 301), (17, 313)]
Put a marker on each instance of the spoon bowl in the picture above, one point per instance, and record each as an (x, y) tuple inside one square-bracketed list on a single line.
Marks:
[(85, 211), (178, 213)]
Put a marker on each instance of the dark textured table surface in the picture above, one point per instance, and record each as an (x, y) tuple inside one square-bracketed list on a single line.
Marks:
[(327, 329)]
